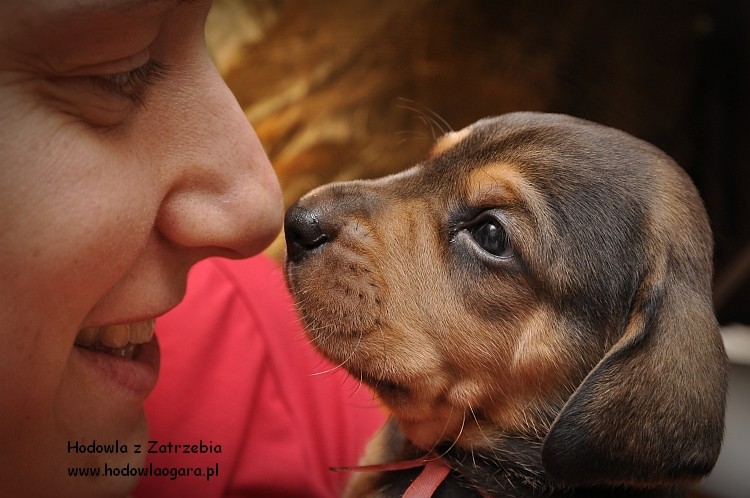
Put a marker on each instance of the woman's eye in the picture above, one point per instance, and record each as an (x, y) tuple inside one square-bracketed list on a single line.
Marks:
[(133, 84), (490, 235)]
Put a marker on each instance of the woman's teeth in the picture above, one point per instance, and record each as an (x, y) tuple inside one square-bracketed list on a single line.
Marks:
[(119, 340)]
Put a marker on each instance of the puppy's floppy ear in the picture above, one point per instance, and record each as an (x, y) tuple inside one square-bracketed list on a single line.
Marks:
[(652, 411)]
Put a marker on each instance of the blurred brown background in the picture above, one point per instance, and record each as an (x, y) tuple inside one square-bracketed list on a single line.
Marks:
[(358, 88)]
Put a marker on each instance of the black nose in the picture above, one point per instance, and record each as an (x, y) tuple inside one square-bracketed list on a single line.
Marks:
[(303, 231)]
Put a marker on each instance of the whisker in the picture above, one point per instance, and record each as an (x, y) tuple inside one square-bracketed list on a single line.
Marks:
[(446, 127), (346, 360), (455, 440), (490, 445), (429, 117), (359, 386), (431, 125)]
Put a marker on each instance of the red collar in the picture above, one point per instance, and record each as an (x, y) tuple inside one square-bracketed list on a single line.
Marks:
[(435, 470)]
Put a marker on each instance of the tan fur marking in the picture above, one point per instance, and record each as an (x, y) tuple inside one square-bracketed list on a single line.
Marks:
[(447, 141), (503, 185), (537, 348)]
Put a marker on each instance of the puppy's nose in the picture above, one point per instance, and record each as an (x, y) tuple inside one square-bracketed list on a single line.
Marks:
[(303, 231)]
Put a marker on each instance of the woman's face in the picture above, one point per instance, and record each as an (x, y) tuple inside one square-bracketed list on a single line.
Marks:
[(124, 159)]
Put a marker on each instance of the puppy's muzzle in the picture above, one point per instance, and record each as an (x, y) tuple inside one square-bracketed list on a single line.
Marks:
[(305, 232)]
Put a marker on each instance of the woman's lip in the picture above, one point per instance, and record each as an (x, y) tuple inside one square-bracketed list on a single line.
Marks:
[(134, 378)]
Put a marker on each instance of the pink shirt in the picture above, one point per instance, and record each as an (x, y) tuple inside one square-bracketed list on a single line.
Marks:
[(238, 375)]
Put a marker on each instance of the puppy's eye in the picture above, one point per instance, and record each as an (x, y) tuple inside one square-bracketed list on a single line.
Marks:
[(490, 235)]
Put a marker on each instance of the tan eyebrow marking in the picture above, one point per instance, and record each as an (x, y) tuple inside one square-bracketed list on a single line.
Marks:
[(447, 141), (504, 185), (495, 182)]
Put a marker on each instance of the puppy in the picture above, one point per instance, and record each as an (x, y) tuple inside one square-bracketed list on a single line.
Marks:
[(532, 302)]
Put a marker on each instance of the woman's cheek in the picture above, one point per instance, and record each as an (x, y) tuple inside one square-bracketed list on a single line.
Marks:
[(79, 212), (100, 206)]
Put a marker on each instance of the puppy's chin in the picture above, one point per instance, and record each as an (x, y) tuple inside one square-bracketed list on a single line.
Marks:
[(400, 395), (425, 422), (416, 400), (425, 407), (388, 391)]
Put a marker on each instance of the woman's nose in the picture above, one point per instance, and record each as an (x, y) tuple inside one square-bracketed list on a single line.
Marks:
[(224, 195)]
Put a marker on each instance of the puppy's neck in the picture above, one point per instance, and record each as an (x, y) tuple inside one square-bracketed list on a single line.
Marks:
[(503, 465), (492, 451), (512, 467), (508, 466)]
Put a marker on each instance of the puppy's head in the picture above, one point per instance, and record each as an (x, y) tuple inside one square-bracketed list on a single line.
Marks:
[(536, 276)]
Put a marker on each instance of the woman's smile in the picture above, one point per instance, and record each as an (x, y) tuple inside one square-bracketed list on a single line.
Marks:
[(126, 355)]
